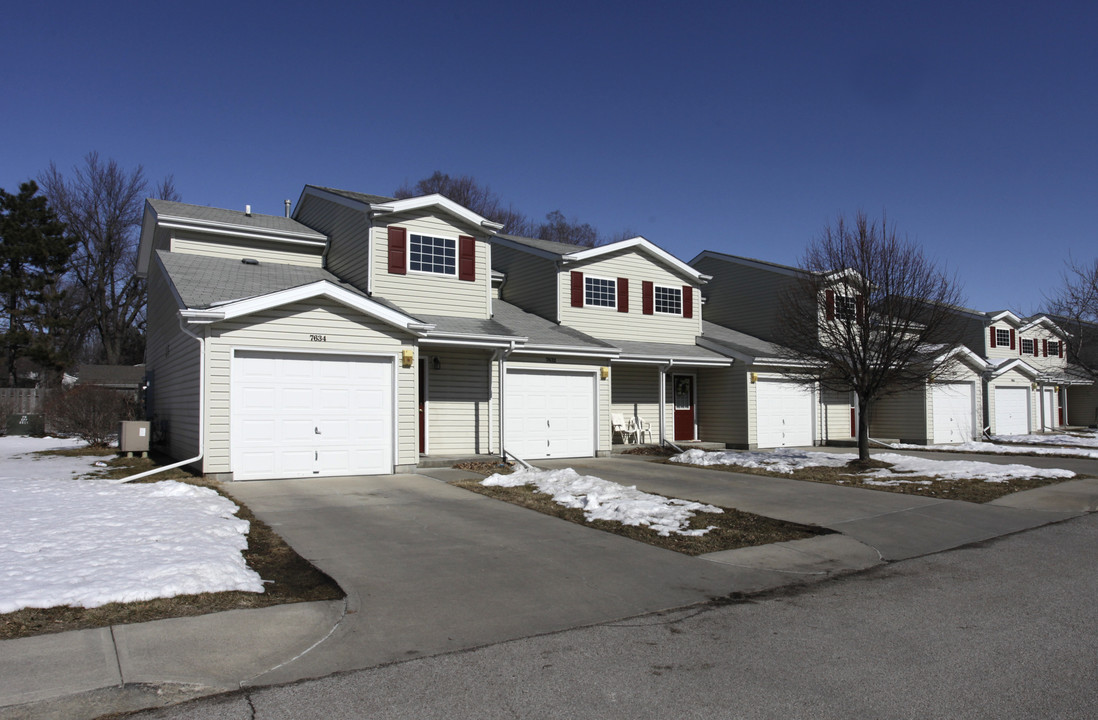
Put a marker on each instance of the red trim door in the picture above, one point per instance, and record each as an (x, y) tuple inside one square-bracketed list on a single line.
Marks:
[(682, 389)]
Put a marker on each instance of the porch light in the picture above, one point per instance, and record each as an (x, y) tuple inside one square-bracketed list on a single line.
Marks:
[(754, 378), (436, 364), (604, 372), (407, 358)]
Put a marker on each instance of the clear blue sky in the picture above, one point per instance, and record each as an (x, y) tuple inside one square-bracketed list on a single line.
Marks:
[(739, 127)]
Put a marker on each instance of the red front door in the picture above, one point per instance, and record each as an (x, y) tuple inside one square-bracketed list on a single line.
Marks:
[(683, 392)]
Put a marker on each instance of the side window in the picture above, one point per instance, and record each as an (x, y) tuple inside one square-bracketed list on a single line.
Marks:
[(668, 300), (599, 292), (1002, 337), (432, 255), (1027, 347)]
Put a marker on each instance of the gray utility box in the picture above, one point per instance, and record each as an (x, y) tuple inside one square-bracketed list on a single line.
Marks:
[(26, 424), (133, 436)]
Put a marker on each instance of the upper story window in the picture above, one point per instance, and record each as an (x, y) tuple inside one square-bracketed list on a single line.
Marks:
[(668, 300), (599, 292), (846, 307), (1053, 348), (1002, 337), (432, 255), (1027, 347)]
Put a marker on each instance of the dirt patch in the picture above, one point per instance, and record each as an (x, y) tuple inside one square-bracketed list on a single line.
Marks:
[(487, 467), (968, 490), (732, 528), (651, 450), (290, 577)]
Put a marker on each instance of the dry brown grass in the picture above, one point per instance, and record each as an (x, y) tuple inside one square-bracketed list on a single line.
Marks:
[(291, 578), (733, 528)]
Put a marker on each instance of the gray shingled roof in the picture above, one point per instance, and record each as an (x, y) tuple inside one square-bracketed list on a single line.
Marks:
[(234, 217), (739, 342), (205, 281), (511, 321), (357, 196), (667, 350), (110, 375), (546, 245)]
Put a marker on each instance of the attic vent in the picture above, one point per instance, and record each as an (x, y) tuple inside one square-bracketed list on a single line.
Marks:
[(249, 261)]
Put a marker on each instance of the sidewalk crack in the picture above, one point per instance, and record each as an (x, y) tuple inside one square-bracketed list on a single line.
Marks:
[(117, 659)]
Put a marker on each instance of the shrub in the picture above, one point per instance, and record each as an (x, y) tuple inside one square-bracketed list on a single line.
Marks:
[(91, 413)]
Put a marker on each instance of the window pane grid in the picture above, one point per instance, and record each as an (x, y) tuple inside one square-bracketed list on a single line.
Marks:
[(432, 255), (1027, 347), (846, 307), (668, 300), (599, 292), (1002, 337)]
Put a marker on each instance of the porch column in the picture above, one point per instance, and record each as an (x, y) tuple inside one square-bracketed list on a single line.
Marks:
[(662, 376)]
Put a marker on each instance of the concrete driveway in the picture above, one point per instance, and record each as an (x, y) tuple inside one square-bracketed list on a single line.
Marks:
[(430, 568), (898, 526)]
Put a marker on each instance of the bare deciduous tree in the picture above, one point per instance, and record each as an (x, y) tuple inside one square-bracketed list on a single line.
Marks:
[(1075, 309), (869, 315), (102, 206)]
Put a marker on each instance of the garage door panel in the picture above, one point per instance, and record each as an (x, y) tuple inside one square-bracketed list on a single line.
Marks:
[(550, 414), (953, 410), (298, 416), (1011, 411), (783, 411)]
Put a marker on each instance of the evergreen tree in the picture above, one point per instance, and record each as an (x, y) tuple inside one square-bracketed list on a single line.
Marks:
[(34, 250)]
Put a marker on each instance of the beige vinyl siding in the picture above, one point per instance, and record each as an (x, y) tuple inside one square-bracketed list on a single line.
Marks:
[(461, 402), (906, 416), (1002, 351), (722, 405), (288, 329), (1040, 335), (608, 323), (834, 417), (239, 248), (172, 366), (531, 281), (602, 418), (348, 230), (635, 393), (429, 293), (742, 297)]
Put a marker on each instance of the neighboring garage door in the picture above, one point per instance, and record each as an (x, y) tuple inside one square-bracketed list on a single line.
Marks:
[(300, 415), (1011, 411), (1047, 404), (952, 412), (549, 414), (783, 412)]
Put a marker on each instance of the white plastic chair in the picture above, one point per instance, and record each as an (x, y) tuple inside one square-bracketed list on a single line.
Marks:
[(639, 427), (623, 429)]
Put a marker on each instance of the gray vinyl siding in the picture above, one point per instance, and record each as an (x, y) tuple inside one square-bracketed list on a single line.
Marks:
[(1082, 405), (461, 402), (289, 328), (261, 250), (722, 405), (348, 231), (744, 298), (602, 419), (608, 323), (427, 293), (531, 281), (907, 417), (172, 366)]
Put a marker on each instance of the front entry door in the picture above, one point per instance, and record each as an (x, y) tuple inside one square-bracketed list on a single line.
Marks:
[(683, 388)]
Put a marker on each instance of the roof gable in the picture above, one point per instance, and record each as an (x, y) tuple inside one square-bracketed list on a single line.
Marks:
[(567, 254), (378, 205)]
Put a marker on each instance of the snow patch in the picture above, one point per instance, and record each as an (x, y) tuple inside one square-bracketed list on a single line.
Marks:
[(604, 500)]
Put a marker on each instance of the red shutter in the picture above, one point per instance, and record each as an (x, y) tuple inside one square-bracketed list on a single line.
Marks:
[(398, 251), (859, 307), (648, 293), (1020, 345), (623, 295), (830, 295), (1061, 348), (1044, 347), (992, 336), (1012, 338), (467, 258), (853, 422), (687, 301), (577, 288)]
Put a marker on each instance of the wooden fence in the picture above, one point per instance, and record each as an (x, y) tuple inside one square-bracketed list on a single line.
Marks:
[(23, 401)]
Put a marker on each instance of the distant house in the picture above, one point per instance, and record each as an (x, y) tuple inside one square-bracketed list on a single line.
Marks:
[(128, 378)]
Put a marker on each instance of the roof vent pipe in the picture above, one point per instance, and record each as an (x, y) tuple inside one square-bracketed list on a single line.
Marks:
[(288, 203), (248, 210)]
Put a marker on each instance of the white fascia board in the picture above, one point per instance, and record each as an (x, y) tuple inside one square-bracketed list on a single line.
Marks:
[(201, 317), (496, 343), (966, 354), (678, 361), (311, 238), (1021, 365), (442, 335), (324, 288), (440, 201), (571, 352), (642, 244), (1005, 314), (1048, 323)]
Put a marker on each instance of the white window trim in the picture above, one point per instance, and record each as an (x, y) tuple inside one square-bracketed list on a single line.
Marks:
[(674, 288), (613, 283), (1032, 346), (431, 273), (999, 341)]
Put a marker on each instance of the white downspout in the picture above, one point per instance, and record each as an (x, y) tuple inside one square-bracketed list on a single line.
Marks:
[(201, 410), (502, 360), (663, 400)]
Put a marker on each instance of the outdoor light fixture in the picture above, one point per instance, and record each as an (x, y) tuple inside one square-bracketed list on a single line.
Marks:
[(407, 357), (604, 372), (754, 378), (436, 364)]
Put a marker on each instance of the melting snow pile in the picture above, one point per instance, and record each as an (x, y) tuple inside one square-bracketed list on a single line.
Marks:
[(996, 449), (1083, 439), (787, 461), (86, 542), (604, 500)]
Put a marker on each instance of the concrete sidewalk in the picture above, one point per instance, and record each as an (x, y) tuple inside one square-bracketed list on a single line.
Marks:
[(430, 568)]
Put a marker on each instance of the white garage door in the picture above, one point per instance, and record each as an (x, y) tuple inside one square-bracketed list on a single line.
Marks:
[(784, 411), (1011, 411), (1047, 405), (952, 412), (549, 414), (300, 415)]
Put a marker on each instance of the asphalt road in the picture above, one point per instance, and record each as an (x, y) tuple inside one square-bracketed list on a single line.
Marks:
[(1001, 630)]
